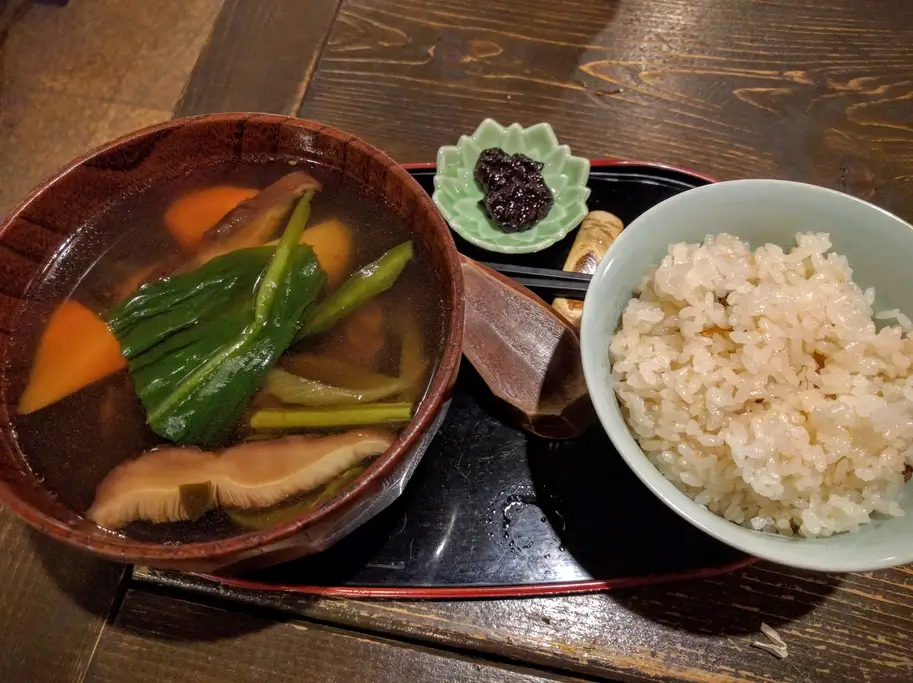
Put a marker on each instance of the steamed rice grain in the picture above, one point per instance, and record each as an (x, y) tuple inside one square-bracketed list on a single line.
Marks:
[(758, 383)]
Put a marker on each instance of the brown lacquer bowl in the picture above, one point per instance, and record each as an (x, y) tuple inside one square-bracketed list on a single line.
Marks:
[(55, 233)]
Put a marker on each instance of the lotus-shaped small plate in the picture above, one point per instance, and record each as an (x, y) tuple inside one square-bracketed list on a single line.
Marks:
[(457, 194)]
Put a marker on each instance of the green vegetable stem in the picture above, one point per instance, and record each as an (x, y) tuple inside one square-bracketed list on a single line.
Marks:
[(296, 390), (365, 284), (327, 418)]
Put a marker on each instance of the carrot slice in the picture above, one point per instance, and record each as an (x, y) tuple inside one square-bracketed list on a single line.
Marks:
[(332, 244), (191, 215), (76, 349)]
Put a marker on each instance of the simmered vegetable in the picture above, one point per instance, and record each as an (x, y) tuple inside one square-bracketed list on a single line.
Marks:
[(197, 499), (76, 349), (209, 284), (342, 384), (264, 519), (249, 224), (199, 345), (412, 363), (290, 388), (333, 371), (362, 335), (257, 219), (181, 483), (169, 305), (194, 213), (328, 418), (332, 243), (375, 278)]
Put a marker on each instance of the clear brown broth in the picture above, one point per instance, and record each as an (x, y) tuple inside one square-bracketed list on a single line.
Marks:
[(71, 445)]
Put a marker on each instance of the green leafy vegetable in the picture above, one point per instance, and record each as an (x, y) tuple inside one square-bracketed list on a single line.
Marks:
[(326, 418), (162, 308), (199, 345), (296, 390), (290, 388), (365, 284), (329, 370)]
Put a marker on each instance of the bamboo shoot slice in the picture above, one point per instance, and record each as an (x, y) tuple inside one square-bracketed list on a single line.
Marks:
[(597, 232)]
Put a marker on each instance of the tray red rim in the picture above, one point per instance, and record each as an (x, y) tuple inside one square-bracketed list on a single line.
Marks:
[(503, 591), (528, 590)]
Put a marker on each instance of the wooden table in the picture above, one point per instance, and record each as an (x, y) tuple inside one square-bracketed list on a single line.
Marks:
[(814, 90)]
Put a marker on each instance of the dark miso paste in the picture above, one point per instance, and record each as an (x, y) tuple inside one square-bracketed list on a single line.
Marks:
[(72, 444)]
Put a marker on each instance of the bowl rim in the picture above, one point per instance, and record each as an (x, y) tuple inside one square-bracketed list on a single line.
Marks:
[(237, 546), (774, 548)]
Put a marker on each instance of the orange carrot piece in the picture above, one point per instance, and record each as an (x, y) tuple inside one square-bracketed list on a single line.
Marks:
[(191, 215), (76, 349), (332, 244)]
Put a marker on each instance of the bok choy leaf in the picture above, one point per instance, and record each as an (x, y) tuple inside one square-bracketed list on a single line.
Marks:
[(199, 345)]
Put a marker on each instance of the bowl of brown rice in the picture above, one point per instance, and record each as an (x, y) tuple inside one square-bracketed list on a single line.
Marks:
[(748, 347)]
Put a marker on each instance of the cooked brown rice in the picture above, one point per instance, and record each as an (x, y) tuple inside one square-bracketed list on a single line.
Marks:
[(757, 382)]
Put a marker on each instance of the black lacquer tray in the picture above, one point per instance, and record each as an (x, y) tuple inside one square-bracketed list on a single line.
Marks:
[(492, 511)]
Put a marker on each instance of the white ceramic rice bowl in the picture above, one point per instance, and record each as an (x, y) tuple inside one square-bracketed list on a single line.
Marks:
[(879, 247)]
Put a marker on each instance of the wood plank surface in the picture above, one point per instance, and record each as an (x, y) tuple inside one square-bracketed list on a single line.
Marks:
[(53, 605), (838, 629), (159, 638), (260, 57), (814, 90)]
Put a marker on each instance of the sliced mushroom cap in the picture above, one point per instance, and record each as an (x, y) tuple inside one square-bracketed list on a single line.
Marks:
[(149, 487), (256, 220), (249, 476), (295, 464)]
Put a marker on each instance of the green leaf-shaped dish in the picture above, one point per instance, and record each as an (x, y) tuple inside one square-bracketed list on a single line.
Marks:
[(457, 194)]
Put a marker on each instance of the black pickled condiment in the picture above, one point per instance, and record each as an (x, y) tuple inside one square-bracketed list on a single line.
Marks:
[(516, 196)]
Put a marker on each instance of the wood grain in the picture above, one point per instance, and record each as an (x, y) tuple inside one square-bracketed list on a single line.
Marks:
[(53, 605), (259, 58), (159, 638), (814, 90), (838, 629)]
